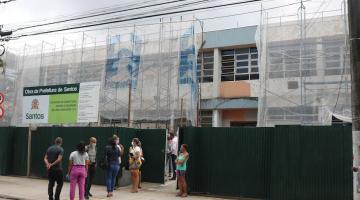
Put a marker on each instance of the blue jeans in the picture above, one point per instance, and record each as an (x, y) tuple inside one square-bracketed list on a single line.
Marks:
[(111, 173)]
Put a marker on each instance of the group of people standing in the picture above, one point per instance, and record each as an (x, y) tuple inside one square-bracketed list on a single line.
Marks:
[(83, 162), (112, 163)]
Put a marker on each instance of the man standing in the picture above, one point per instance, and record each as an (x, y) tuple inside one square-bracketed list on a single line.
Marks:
[(174, 152), (91, 150), (168, 156), (52, 159), (121, 149)]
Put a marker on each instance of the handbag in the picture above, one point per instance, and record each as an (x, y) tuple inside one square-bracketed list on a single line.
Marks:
[(134, 164)]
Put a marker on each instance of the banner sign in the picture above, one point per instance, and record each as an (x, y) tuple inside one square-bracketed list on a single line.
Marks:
[(57, 104)]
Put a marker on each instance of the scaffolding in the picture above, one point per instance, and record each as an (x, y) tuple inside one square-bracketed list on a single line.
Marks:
[(304, 68), (148, 73)]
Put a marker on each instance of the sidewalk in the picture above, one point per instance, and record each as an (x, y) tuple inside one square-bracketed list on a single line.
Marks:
[(36, 189)]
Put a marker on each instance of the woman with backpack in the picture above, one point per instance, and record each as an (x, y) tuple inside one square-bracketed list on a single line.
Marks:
[(77, 171), (112, 154), (135, 164)]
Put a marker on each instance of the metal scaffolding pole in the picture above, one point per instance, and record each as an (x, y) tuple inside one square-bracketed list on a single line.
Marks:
[(82, 55), (158, 92)]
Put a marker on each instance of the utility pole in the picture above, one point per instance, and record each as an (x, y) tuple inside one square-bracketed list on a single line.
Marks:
[(354, 35)]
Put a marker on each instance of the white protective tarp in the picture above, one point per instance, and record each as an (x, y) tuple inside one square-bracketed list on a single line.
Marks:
[(304, 70), (159, 61)]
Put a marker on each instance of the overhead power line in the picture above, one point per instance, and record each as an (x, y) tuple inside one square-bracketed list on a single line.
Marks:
[(77, 14), (140, 17), (176, 21), (7, 1), (144, 13), (166, 22), (154, 11), (101, 14)]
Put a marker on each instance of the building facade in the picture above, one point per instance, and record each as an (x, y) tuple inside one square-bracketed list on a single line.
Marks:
[(228, 73)]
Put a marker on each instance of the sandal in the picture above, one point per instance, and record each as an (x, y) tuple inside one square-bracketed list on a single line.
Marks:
[(184, 195)]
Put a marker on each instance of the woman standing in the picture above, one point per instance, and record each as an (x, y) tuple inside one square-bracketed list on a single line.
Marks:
[(135, 164), (142, 162), (78, 164), (181, 166), (112, 155)]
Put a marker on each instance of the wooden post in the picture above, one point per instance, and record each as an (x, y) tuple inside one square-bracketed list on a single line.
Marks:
[(28, 167)]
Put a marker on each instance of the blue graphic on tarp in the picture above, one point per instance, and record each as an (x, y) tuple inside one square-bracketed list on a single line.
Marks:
[(187, 68), (120, 60), (187, 58)]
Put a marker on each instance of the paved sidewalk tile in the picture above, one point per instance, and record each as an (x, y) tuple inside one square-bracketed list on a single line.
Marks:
[(36, 189)]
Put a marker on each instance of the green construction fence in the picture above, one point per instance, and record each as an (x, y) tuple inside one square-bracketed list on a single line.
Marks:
[(13, 149), (281, 163)]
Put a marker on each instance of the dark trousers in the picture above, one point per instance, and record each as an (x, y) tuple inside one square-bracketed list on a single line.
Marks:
[(90, 178), (173, 158), (169, 162), (118, 177), (55, 175)]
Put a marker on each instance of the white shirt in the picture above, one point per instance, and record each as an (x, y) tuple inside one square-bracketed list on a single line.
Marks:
[(118, 146), (136, 150), (174, 145), (79, 159)]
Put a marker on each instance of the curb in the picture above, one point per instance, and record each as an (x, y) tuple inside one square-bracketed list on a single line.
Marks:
[(10, 197)]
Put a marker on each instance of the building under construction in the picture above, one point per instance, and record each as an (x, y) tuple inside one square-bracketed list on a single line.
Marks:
[(171, 76)]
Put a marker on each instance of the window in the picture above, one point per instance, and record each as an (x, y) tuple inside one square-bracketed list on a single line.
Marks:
[(205, 72), (285, 59), (239, 64), (206, 118), (294, 114), (227, 68), (334, 48)]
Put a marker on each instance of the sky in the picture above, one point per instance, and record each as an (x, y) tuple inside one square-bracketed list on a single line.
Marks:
[(21, 12)]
